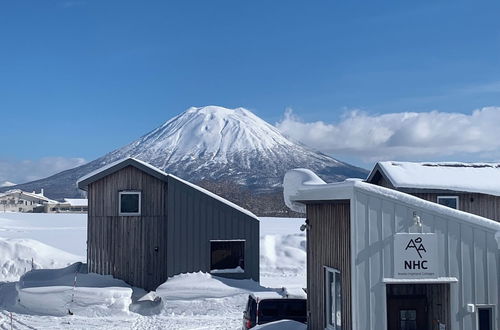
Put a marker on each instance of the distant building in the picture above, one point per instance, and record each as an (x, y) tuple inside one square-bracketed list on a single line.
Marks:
[(17, 200), (469, 187), (383, 259), (69, 205), (145, 225)]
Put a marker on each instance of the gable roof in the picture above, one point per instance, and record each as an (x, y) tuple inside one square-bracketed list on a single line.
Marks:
[(481, 178), (100, 173), (305, 189)]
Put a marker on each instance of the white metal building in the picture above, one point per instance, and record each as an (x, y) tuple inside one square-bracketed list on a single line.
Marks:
[(17, 200), (383, 259)]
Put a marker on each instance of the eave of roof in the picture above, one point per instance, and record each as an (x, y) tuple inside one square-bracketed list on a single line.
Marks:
[(346, 190)]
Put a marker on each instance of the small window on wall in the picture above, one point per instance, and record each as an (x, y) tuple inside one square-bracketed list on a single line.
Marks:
[(227, 256), (333, 299), (485, 318), (129, 203), (450, 201)]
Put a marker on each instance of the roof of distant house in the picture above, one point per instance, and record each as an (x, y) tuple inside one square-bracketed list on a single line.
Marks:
[(77, 201), (32, 195), (481, 178)]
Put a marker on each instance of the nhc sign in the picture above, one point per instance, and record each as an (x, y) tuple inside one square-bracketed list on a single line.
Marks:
[(415, 256)]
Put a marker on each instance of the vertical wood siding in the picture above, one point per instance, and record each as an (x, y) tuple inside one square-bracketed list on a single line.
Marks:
[(132, 248), (171, 236), (484, 205), (480, 204), (328, 244)]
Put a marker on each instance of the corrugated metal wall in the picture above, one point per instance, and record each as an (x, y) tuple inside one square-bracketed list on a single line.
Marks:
[(196, 218), (466, 251)]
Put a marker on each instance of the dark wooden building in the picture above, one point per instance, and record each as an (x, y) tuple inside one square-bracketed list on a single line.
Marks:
[(145, 225), (469, 187), (383, 259)]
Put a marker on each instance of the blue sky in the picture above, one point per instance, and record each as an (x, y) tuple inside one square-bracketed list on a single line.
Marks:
[(81, 78)]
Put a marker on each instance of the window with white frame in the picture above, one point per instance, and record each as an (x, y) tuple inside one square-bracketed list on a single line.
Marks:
[(333, 299), (450, 201), (129, 203)]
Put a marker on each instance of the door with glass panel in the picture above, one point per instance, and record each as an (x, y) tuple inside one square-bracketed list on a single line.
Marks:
[(333, 299), (407, 313)]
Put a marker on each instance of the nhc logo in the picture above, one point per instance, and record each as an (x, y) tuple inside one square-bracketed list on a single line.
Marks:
[(416, 255), (412, 244)]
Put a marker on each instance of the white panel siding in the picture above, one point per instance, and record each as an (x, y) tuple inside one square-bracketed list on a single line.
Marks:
[(466, 251), (362, 273)]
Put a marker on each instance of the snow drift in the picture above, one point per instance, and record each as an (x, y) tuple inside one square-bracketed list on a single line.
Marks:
[(53, 292), (19, 255)]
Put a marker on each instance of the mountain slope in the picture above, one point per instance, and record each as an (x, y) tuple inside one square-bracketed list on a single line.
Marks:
[(212, 144)]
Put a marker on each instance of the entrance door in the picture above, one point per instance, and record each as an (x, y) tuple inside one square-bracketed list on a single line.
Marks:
[(407, 313)]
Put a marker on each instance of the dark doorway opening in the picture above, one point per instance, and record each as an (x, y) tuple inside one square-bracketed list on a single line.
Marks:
[(227, 254), (485, 318), (417, 306)]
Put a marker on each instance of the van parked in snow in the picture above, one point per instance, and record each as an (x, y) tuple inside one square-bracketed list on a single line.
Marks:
[(265, 307)]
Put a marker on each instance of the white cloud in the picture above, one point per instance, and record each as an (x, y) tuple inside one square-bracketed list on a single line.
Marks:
[(21, 171), (406, 135)]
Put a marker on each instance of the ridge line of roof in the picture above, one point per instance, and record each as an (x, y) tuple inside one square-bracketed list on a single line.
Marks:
[(165, 175)]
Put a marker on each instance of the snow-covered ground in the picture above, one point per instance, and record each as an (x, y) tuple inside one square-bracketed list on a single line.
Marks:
[(188, 301), (67, 232)]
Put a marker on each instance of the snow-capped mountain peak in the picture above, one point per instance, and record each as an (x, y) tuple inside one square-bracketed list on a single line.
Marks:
[(216, 144), (212, 132)]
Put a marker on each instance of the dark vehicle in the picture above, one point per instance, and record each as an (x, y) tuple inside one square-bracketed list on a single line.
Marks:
[(265, 307)]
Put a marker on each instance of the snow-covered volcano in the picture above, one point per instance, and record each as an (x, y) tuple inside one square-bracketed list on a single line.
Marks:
[(215, 144)]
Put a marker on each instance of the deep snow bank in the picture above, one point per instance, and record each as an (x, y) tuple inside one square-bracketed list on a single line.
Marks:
[(201, 295), (282, 252), (51, 292), (17, 256), (202, 285)]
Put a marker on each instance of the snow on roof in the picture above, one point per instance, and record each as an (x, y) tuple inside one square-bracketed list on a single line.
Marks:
[(266, 295), (333, 191), (282, 294), (161, 174), (468, 177), (77, 201), (100, 170), (296, 179), (32, 195)]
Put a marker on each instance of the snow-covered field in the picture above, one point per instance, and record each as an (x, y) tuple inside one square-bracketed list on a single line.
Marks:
[(43, 298)]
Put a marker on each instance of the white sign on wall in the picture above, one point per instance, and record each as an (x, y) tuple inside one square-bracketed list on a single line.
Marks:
[(415, 256)]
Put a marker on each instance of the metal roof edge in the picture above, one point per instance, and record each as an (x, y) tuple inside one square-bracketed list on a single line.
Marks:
[(106, 170)]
